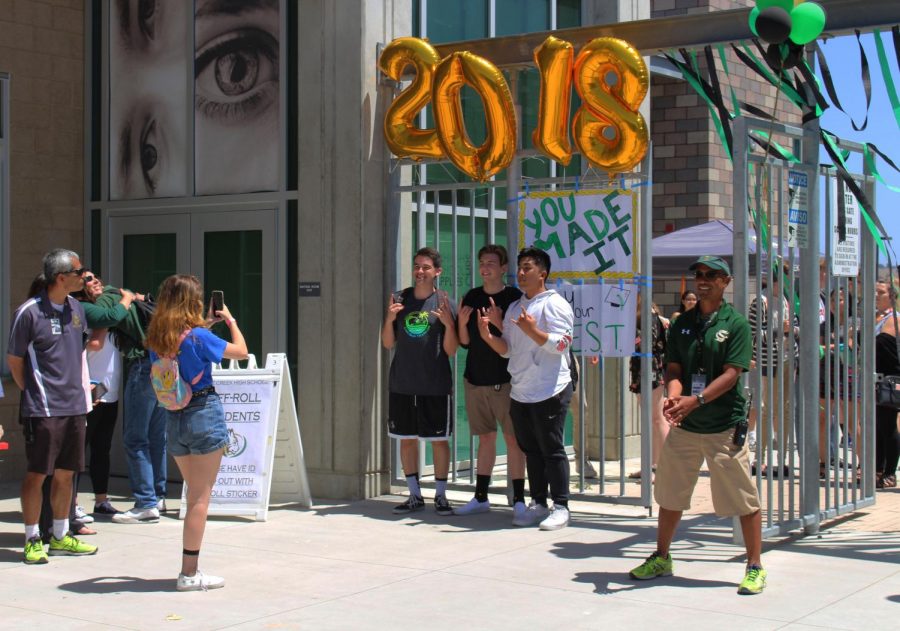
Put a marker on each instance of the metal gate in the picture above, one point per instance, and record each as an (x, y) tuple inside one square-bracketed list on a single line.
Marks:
[(810, 280), (457, 218)]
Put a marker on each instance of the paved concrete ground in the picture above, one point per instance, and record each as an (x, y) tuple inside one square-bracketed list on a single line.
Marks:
[(357, 566)]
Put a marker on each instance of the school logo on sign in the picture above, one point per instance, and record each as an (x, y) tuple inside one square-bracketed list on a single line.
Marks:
[(237, 444)]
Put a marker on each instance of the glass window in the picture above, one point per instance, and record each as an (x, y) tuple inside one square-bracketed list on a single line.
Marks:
[(149, 260), (522, 16), (457, 20), (233, 264)]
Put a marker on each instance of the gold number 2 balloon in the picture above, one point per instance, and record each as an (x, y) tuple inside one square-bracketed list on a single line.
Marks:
[(612, 79), (554, 60), (403, 137), (499, 146)]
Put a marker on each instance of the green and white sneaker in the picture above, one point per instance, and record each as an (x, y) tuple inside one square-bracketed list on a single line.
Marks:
[(70, 546), (34, 552), (754, 580), (654, 566)]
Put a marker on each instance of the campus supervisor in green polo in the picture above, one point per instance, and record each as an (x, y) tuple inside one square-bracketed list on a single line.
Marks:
[(708, 349)]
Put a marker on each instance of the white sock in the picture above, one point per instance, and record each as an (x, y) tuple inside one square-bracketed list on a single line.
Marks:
[(32, 531), (440, 487), (413, 484), (60, 528)]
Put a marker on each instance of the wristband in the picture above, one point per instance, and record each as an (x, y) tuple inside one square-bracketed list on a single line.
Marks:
[(230, 321)]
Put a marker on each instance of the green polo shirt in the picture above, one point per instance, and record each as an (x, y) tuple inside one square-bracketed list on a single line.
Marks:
[(727, 340)]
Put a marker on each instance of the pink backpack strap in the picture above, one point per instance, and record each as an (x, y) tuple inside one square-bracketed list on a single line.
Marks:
[(180, 341)]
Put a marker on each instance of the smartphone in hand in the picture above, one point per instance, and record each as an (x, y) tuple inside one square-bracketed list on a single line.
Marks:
[(98, 392), (217, 301)]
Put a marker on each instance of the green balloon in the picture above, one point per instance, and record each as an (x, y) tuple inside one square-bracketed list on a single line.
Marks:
[(807, 22), (787, 5), (754, 13)]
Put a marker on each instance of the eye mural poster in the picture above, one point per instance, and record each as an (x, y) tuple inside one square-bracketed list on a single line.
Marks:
[(207, 69), (588, 234)]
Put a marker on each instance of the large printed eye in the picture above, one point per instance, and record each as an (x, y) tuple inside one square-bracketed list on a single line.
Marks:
[(149, 155), (236, 75), (146, 18)]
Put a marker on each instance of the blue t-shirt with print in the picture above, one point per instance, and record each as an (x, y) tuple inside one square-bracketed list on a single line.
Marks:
[(198, 352)]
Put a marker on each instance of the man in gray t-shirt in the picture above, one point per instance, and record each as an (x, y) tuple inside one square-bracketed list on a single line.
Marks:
[(47, 361)]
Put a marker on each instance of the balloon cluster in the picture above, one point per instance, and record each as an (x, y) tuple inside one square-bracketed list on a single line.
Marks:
[(786, 25)]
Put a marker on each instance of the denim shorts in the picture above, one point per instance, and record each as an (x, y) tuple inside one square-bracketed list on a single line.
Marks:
[(199, 428)]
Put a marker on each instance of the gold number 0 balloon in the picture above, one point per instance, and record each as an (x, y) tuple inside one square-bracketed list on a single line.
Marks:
[(499, 147), (402, 135), (612, 79), (554, 59)]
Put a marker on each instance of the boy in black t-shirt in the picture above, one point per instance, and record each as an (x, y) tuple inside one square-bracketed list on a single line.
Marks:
[(420, 325), (487, 380)]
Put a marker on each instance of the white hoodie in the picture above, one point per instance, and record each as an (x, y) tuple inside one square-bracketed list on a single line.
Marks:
[(539, 372)]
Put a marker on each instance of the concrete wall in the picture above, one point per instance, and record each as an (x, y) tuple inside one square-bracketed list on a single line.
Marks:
[(343, 177), (42, 49)]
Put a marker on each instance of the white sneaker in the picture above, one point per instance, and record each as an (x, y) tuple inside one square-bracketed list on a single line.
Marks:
[(161, 505), (198, 582), (83, 516), (535, 513), (473, 507), (137, 516), (558, 518)]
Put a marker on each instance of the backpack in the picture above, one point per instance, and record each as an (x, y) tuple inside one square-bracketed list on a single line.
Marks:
[(172, 391)]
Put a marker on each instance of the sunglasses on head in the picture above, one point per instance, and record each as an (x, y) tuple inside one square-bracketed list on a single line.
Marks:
[(710, 274), (78, 272)]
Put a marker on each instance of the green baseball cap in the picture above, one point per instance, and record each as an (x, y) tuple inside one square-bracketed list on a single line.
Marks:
[(712, 262)]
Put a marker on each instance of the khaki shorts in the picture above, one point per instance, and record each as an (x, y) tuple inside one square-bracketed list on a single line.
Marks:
[(486, 406), (733, 490)]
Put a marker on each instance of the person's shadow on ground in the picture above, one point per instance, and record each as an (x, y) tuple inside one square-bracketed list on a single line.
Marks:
[(119, 584), (620, 582)]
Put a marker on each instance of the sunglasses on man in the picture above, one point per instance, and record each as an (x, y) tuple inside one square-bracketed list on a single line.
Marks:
[(78, 272), (710, 274)]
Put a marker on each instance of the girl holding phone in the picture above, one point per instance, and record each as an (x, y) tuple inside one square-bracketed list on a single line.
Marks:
[(197, 434)]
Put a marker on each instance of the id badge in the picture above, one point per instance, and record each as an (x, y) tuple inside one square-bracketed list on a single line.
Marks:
[(698, 384), (55, 326)]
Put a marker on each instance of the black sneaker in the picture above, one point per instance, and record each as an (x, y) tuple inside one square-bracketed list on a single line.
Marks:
[(442, 506), (411, 505)]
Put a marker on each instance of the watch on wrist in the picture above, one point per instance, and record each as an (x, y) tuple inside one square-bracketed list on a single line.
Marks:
[(701, 399)]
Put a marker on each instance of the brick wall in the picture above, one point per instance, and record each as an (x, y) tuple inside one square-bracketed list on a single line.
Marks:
[(692, 174), (42, 49)]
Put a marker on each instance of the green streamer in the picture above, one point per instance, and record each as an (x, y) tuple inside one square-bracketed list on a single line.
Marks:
[(888, 79)]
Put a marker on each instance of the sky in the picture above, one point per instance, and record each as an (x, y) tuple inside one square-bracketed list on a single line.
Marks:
[(883, 130)]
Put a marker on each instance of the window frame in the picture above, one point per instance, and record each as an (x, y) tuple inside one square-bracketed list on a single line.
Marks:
[(4, 220)]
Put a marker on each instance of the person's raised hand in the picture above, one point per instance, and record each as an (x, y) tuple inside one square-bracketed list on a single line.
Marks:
[(495, 314), (394, 307), (465, 312), (526, 322)]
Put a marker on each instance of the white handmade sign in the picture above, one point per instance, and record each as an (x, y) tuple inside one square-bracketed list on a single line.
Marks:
[(588, 234), (263, 461), (605, 317)]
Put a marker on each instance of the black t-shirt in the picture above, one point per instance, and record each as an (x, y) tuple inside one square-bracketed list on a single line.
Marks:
[(420, 365), (484, 367)]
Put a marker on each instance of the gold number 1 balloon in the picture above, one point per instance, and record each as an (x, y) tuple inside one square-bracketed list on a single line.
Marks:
[(612, 80), (554, 59), (401, 134)]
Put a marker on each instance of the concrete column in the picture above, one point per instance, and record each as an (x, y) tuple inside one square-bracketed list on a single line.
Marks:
[(343, 186)]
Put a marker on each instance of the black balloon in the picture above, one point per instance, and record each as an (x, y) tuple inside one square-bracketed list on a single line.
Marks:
[(773, 25), (783, 56)]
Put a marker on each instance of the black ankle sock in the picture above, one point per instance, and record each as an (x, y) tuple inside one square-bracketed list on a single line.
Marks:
[(482, 483), (518, 491), (190, 553)]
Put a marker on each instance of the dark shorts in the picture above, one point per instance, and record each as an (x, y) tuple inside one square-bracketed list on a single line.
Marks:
[(197, 429), (58, 443), (416, 416)]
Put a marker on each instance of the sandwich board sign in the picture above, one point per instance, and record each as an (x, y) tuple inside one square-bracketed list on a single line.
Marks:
[(263, 462)]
